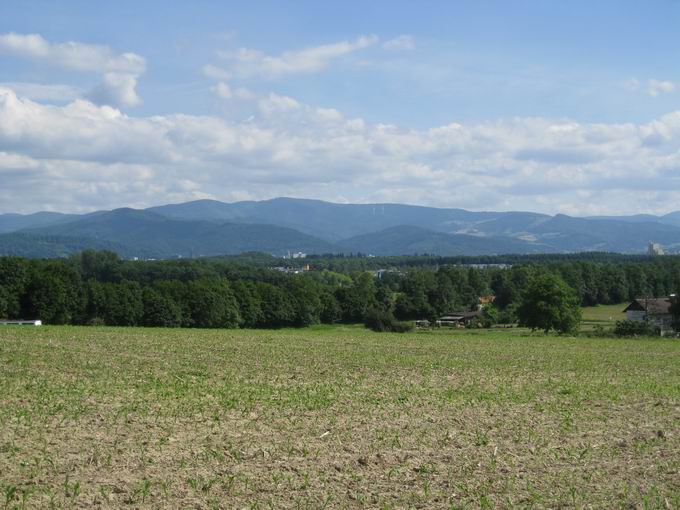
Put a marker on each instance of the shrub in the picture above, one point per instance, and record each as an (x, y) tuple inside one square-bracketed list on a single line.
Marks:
[(633, 328), (383, 321), (486, 319), (598, 331)]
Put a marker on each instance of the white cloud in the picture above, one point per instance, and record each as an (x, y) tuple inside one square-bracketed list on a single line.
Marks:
[(246, 62), (225, 91), (71, 55), (400, 43), (244, 93), (656, 87), (116, 89), (275, 103), (217, 73), (9, 162), (329, 114), (83, 156), (119, 71), (44, 92)]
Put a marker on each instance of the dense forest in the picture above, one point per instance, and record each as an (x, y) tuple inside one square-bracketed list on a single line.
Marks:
[(247, 291)]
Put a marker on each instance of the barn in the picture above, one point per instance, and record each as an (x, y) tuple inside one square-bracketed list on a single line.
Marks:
[(655, 311)]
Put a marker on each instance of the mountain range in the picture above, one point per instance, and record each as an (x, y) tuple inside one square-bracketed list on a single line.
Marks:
[(282, 225)]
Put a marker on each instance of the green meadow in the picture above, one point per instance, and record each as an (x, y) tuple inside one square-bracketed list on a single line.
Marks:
[(602, 315), (336, 417)]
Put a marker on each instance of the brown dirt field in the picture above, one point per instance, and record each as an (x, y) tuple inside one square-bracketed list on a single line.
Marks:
[(336, 418)]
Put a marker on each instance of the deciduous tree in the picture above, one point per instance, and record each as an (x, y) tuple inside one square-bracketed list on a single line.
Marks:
[(548, 303)]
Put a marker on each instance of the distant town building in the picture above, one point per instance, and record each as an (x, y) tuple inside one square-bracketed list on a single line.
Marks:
[(380, 273), (296, 255), (655, 249), (293, 270)]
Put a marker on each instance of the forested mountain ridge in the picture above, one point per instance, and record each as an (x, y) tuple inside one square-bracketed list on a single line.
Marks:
[(156, 236), (209, 227), (406, 239)]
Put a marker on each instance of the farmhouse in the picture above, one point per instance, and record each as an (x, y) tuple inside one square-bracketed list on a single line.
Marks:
[(458, 319), (655, 311), (486, 300)]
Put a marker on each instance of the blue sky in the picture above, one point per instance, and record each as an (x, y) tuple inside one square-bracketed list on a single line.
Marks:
[(547, 106)]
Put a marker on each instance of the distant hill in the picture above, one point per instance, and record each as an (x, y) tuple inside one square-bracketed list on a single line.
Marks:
[(636, 218), (14, 222), (147, 234), (409, 240), (340, 222), (326, 220), (671, 218), (37, 245), (578, 234), (209, 227)]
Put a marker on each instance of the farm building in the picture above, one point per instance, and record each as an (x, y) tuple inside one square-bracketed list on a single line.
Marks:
[(457, 319), (486, 300), (655, 311)]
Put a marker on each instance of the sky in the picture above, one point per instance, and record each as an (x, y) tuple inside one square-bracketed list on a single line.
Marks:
[(555, 107)]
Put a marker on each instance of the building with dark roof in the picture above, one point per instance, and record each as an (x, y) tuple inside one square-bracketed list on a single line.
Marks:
[(655, 311)]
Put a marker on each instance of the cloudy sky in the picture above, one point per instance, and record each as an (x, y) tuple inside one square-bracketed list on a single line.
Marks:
[(569, 107)]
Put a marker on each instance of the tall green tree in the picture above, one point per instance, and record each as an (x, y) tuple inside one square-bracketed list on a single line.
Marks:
[(418, 288), (356, 299), (52, 294), (159, 310), (305, 295), (103, 266), (14, 279), (212, 304), (277, 306), (124, 305), (249, 303), (548, 303), (4, 298)]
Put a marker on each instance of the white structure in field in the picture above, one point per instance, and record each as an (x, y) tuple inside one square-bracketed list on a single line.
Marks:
[(21, 323)]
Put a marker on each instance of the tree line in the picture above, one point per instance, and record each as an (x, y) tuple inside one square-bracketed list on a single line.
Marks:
[(99, 288)]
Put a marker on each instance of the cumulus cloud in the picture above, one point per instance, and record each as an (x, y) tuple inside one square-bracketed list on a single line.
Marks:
[(120, 71), (116, 89), (247, 62), (225, 91), (275, 103), (71, 55), (656, 87), (400, 43), (45, 92), (217, 73), (84, 156)]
